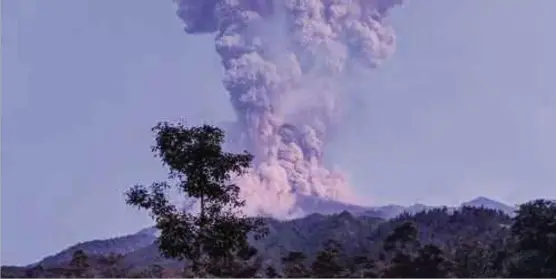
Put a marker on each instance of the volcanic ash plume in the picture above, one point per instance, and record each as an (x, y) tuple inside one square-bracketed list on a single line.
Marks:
[(283, 60)]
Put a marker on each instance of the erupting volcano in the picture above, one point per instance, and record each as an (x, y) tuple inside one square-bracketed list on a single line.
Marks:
[(283, 60)]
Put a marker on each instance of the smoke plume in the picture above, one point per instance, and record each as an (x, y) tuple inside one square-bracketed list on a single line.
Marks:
[(283, 60)]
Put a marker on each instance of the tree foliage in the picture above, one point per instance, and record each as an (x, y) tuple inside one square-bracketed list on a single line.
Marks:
[(328, 262), (202, 171), (534, 236), (79, 265), (468, 242), (295, 265)]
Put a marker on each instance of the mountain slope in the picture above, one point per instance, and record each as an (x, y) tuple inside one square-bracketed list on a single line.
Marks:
[(353, 230), (118, 245)]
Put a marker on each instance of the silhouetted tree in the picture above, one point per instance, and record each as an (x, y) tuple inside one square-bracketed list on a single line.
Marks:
[(431, 263), (201, 170), (401, 266), (404, 237), (244, 264), (471, 260), (475, 259), (534, 234), (398, 247), (110, 268), (156, 271), (362, 267), (79, 264), (270, 272), (327, 263), (294, 265), (35, 272)]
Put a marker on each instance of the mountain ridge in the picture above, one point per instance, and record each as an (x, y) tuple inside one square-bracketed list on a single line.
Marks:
[(139, 245)]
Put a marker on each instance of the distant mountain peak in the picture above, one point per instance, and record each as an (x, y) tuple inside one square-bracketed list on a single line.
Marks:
[(489, 203), (481, 199)]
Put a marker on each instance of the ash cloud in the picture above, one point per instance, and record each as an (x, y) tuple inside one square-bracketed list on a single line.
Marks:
[(282, 61)]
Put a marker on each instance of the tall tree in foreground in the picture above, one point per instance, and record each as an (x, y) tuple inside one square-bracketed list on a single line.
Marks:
[(201, 170)]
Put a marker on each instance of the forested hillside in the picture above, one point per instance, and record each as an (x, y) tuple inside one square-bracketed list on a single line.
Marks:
[(218, 240), (470, 242)]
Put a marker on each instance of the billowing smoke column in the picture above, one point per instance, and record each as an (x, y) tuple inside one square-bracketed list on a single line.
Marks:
[(283, 60)]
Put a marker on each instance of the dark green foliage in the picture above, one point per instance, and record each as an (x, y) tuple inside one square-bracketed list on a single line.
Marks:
[(270, 272), (411, 259), (401, 266), (404, 237), (534, 236), (35, 272), (469, 242), (110, 266), (431, 262), (14, 272), (153, 271), (79, 265), (244, 264), (398, 247), (201, 170), (327, 264), (295, 265), (362, 267), (472, 260)]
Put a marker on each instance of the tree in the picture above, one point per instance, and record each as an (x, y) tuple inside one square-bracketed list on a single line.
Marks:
[(403, 237), (270, 272), (401, 243), (401, 266), (79, 264), (294, 265), (244, 264), (202, 171), (534, 233), (362, 267), (475, 259), (431, 263), (327, 263), (110, 267), (155, 271), (471, 258), (34, 272)]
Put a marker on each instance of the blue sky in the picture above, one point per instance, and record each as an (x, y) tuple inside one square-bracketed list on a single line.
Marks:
[(465, 107)]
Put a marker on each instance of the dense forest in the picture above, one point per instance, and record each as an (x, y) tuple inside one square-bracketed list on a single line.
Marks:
[(219, 241)]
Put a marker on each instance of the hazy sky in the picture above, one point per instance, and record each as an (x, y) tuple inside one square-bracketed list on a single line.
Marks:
[(465, 107)]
